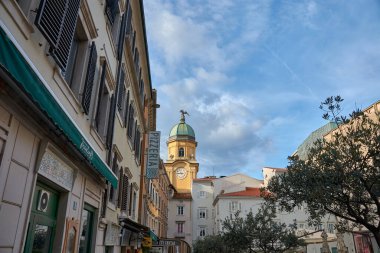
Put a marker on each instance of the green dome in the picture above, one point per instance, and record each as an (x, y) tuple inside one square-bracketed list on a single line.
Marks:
[(182, 131)]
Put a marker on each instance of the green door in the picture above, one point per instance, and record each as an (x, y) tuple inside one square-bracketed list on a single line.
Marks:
[(43, 218)]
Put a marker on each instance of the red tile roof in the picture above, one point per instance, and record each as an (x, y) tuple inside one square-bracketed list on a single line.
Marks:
[(203, 179), (182, 196), (248, 192), (277, 169)]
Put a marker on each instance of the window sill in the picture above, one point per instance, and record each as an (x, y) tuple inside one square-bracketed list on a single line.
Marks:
[(18, 17), (67, 92)]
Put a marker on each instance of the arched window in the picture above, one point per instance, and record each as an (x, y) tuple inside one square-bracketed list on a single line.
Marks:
[(181, 152)]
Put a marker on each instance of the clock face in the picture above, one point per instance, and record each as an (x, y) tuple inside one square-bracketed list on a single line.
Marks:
[(181, 173)]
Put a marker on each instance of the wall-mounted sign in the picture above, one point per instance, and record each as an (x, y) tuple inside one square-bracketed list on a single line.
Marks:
[(153, 154), (166, 242), (147, 242)]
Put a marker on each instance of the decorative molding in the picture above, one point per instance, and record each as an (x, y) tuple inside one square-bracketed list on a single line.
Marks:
[(116, 150), (56, 170), (128, 172), (88, 19)]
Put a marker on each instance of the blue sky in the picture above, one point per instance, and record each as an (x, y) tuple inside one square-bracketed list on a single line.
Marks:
[(252, 73)]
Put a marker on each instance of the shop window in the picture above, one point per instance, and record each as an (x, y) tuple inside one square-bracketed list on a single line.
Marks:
[(85, 238), (181, 152)]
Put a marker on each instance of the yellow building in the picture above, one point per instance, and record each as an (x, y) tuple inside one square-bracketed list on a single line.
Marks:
[(182, 166)]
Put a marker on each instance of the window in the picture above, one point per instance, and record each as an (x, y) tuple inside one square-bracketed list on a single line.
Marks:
[(113, 15), (59, 32), (202, 213), (330, 228), (301, 226), (202, 194), (180, 227), (121, 94), (131, 112), (234, 206), (181, 152), (113, 192), (77, 60), (202, 231), (179, 210), (134, 205), (85, 237), (103, 106)]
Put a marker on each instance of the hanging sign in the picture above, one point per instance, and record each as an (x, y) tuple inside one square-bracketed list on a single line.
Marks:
[(153, 155)]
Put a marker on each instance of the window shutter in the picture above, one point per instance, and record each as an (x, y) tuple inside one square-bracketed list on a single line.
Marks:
[(110, 125), (121, 91), (206, 213), (120, 188), (130, 121), (121, 36), (124, 197), (111, 9), (100, 93), (130, 199), (129, 20), (90, 76), (126, 111), (57, 21)]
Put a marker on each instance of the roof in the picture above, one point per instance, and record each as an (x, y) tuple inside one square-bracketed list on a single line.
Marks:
[(303, 149), (276, 169), (182, 131), (207, 179), (178, 195), (248, 192)]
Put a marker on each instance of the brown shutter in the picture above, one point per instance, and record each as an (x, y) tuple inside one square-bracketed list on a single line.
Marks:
[(124, 197), (90, 76), (120, 188)]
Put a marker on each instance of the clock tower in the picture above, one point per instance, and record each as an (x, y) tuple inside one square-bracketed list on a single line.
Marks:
[(181, 165)]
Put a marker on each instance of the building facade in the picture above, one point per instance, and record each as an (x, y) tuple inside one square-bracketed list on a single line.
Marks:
[(75, 104), (182, 168)]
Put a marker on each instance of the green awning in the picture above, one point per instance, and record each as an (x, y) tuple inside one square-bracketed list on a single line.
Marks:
[(153, 236), (13, 62)]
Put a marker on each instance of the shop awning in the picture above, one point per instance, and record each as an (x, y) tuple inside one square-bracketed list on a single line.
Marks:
[(153, 236), (14, 64)]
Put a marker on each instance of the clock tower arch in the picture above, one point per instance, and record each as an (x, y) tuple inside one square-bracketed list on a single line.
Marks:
[(181, 165)]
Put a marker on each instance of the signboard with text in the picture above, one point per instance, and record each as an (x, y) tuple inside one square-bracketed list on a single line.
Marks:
[(153, 154)]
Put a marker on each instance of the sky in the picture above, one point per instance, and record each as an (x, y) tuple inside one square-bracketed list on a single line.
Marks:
[(253, 73)]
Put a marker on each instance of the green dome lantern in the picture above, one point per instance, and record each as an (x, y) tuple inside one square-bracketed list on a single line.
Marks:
[(182, 131)]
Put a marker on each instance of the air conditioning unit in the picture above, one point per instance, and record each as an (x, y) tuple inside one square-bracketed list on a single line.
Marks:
[(43, 201)]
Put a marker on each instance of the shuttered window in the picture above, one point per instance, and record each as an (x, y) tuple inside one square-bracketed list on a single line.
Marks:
[(142, 91), (124, 194), (57, 21), (111, 10), (111, 118), (90, 77), (121, 92), (126, 110), (130, 121)]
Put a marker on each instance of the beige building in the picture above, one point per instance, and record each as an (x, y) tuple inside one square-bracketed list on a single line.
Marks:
[(75, 99)]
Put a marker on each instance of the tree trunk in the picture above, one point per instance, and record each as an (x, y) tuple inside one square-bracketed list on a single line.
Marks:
[(377, 238)]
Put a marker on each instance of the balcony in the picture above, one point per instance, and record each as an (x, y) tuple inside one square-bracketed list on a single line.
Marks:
[(179, 235)]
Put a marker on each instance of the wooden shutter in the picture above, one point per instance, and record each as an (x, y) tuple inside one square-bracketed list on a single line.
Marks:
[(90, 76), (111, 10), (130, 199), (120, 187), (100, 93), (124, 196), (130, 122), (57, 21)]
